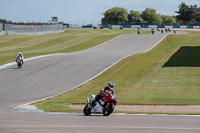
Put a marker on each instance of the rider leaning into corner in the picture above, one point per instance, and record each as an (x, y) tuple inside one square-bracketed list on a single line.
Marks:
[(106, 90), (20, 55)]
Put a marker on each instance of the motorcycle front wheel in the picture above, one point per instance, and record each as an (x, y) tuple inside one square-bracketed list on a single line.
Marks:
[(87, 110), (18, 66), (108, 111)]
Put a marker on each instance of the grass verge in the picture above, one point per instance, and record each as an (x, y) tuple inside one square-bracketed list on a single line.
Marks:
[(69, 41), (145, 78)]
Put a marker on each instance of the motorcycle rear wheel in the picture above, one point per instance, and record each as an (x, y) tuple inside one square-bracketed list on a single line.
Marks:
[(87, 110), (108, 111)]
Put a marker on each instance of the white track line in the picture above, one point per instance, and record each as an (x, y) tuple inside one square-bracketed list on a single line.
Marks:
[(28, 59), (42, 56), (90, 78), (105, 127)]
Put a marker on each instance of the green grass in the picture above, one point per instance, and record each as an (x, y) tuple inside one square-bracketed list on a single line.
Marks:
[(159, 76), (69, 41), (143, 79)]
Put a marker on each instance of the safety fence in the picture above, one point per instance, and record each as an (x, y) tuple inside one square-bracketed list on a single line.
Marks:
[(32, 29), (41, 29), (1, 26), (2, 32), (139, 26)]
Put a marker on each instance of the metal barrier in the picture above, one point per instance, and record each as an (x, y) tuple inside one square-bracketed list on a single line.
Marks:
[(32, 29), (1, 26), (134, 26), (87, 26)]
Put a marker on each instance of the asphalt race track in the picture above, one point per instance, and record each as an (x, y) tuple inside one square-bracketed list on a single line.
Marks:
[(53, 75)]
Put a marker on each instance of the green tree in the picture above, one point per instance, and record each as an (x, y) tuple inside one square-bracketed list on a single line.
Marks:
[(151, 17), (188, 14), (133, 15), (116, 15), (5, 21), (185, 13), (197, 15), (168, 20), (192, 11)]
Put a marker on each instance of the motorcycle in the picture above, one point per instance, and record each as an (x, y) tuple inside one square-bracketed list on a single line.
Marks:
[(104, 106), (19, 62)]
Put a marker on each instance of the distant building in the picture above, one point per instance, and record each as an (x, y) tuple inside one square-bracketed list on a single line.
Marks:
[(54, 19)]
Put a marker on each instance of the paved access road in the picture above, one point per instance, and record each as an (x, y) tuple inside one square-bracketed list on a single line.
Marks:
[(49, 76)]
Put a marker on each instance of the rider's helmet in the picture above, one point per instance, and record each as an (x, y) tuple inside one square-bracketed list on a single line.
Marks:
[(20, 54), (111, 85)]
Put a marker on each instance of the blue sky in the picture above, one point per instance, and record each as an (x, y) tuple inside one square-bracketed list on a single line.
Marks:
[(80, 11)]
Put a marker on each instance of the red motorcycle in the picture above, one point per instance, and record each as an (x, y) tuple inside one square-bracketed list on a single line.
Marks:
[(104, 106), (19, 62)]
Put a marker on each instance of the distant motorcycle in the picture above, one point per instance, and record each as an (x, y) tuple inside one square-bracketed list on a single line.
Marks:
[(19, 62), (104, 106)]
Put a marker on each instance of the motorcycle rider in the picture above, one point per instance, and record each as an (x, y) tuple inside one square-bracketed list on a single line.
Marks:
[(106, 90), (152, 31), (20, 55)]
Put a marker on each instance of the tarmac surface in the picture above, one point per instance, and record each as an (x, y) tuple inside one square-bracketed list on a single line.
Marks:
[(52, 75)]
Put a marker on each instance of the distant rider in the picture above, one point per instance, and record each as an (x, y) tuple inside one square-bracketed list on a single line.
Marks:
[(138, 30), (152, 31), (106, 90), (20, 55), (162, 31)]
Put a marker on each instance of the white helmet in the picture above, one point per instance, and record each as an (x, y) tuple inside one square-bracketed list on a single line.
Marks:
[(20, 53), (111, 85)]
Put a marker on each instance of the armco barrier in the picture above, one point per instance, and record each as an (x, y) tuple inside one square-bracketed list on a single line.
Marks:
[(126, 26), (176, 26), (144, 26), (136, 26), (87, 26), (65, 26), (183, 27), (106, 26), (160, 26), (195, 27), (167, 26), (191, 27)]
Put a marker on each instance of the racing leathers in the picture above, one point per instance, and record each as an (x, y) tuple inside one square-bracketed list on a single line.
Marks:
[(106, 90), (18, 56)]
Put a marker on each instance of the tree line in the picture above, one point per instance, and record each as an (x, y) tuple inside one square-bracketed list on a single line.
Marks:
[(187, 15), (5, 21), (119, 16)]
